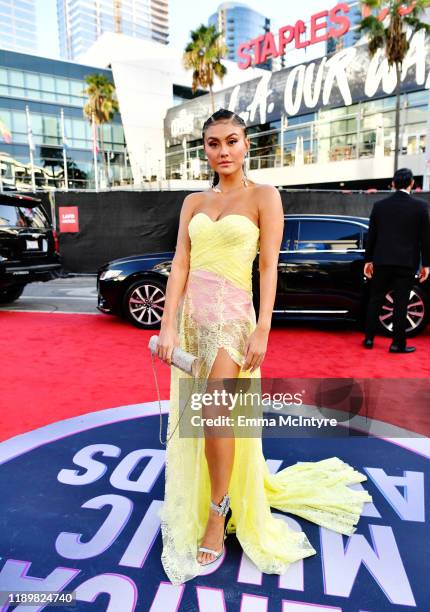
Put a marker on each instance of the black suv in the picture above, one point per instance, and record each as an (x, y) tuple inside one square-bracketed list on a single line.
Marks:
[(28, 245), (320, 277)]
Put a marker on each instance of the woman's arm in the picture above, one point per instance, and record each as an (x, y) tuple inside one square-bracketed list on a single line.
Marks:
[(168, 338), (271, 217)]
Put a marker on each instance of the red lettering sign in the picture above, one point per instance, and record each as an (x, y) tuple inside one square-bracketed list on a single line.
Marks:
[(257, 50), (366, 11), (69, 219)]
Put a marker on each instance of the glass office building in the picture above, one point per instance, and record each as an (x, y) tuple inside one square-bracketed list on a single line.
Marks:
[(47, 86), (81, 23), (18, 25), (352, 36), (239, 24)]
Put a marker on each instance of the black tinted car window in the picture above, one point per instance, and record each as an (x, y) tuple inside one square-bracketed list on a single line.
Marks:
[(323, 235), (290, 229), (20, 216)]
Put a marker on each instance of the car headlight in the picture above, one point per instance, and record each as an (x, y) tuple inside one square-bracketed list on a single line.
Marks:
[(110, 274)]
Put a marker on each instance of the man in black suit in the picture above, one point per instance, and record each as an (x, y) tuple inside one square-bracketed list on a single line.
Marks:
[(399, 236)]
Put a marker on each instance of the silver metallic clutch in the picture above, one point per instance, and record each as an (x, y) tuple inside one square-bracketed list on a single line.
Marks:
[(181, 359), (184, 361)]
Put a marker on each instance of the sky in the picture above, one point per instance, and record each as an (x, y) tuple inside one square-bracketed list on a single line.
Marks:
[(281, 12)]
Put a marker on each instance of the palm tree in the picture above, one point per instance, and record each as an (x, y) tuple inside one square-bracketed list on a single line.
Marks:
[(203, 56), (397, 15), (102, 104)]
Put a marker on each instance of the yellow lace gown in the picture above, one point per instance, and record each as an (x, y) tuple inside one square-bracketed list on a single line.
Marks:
[(216, 310)]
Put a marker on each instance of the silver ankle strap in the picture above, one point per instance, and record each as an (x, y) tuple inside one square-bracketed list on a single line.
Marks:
[(223, 507)]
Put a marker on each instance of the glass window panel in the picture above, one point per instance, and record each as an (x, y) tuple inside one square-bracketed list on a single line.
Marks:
[(118, 134), (417, 114), (32, 81), (290, 228), (78, 129), (50, 126), (19, 216), (19, 122), (76, 87), (338, 127), (36, 124), (48, 96), (3, 76), (62, 86), (107, 133), (416, 128), (328, 236), (16, 78), (63, 98), (418, 97), (47, 83)]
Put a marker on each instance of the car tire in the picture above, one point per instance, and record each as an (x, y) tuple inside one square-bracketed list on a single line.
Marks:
[(144, 316), (7, 296), (418, 313)]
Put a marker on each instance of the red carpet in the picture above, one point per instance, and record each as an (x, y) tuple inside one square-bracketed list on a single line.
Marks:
[(55, 366)]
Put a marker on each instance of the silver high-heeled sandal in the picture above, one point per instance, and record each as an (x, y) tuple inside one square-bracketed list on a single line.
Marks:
[(223, 509)]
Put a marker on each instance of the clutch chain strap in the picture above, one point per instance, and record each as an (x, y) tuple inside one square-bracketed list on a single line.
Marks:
[(159, 403)]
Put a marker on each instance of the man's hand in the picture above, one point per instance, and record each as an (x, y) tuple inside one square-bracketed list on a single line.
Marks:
[(423, 274), (368, 269)]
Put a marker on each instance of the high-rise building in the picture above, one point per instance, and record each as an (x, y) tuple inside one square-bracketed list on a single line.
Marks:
[(81, 22), (18, 21), (353, 35), (239, 23)]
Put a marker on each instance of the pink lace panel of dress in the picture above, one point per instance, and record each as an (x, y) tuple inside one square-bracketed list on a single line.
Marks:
[(215, 313)]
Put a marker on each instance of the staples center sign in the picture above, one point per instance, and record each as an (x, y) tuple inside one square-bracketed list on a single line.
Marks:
[(265, 46)]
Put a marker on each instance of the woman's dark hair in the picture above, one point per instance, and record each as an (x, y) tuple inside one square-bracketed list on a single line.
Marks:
[(402, 178), (222, 115)]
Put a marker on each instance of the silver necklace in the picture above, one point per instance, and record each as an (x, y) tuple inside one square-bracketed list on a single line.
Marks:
[(218, 190)]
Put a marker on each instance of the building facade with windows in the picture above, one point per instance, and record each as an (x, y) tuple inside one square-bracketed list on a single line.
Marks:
[(353, 35), (328, 123), (18, 25), (238, 23), (47, 86), (149, 79), (81, 23)]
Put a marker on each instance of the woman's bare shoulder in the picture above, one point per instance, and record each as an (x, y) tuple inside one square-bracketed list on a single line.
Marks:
[(263, 188), (194, 199)]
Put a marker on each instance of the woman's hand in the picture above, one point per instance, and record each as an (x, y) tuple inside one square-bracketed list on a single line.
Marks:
[(167, 340), (256, 349)]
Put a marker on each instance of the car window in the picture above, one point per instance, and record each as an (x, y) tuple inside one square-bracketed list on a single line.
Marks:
[(290, 231), (20, 216), (320, 235)]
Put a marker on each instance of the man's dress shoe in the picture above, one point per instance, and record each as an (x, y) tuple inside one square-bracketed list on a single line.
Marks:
[(368, 343), (397, 349)]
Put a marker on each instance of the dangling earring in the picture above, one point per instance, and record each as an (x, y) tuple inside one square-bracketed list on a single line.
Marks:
[(245, 176)]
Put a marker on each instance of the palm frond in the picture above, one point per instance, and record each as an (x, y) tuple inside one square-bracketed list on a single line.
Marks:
[(203, 55)]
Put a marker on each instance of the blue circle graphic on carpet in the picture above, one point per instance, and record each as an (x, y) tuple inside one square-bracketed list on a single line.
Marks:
[(79, 512)]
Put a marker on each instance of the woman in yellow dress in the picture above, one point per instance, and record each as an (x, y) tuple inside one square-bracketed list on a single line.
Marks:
[(217, 485)]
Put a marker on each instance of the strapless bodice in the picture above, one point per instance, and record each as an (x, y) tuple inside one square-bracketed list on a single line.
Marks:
[(226, 247)]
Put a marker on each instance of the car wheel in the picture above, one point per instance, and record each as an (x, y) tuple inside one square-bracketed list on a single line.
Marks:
[(143, 303), (11, 294), (416, 317)]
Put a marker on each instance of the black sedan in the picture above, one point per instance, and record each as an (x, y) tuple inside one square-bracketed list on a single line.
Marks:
[(320, 277)]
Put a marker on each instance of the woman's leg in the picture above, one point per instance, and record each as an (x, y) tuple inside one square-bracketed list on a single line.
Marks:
[(219, 451)]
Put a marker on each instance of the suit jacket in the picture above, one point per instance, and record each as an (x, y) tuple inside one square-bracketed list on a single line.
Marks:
[(399, 232)]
